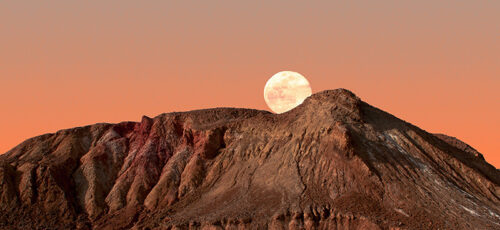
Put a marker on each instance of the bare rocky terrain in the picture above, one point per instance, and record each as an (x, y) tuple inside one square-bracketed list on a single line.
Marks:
[(334, 162)]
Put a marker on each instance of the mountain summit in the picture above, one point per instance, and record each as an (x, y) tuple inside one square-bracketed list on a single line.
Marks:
[(334, 162)]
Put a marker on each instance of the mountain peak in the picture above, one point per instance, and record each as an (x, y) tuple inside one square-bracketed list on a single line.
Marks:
[(332, 162), (328, 106), (336, 94), (329, 98)]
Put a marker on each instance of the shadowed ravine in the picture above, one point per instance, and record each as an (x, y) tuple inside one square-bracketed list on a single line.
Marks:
[(334, 162)]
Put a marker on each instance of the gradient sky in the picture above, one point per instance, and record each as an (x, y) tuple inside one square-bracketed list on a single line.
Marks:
[(435, 64)]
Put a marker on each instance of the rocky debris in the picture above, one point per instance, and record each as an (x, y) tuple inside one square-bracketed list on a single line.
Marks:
[(453, 141), (333, 162)]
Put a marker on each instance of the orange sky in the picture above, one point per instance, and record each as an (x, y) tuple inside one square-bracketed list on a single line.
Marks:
[(435, 64)]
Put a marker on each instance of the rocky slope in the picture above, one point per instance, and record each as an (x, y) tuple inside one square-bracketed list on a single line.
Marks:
[(334, 162)]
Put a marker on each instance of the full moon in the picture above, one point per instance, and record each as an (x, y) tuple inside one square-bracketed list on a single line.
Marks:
[(286, 90)]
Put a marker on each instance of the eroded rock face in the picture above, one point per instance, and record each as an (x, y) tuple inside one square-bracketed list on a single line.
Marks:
[(334, 162)]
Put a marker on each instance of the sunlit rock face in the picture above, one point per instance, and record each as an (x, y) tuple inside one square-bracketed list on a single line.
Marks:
[(334, 162)]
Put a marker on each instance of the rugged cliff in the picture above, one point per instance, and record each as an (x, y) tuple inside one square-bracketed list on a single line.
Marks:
[(334, 162)]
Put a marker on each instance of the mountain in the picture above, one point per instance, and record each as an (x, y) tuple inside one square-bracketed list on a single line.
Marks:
[(334, 162)]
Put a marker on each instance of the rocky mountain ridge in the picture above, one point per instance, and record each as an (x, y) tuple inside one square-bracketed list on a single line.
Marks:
[(334, 162)]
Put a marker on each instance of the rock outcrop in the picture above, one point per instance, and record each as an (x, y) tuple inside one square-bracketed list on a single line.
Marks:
[(334, 162)]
